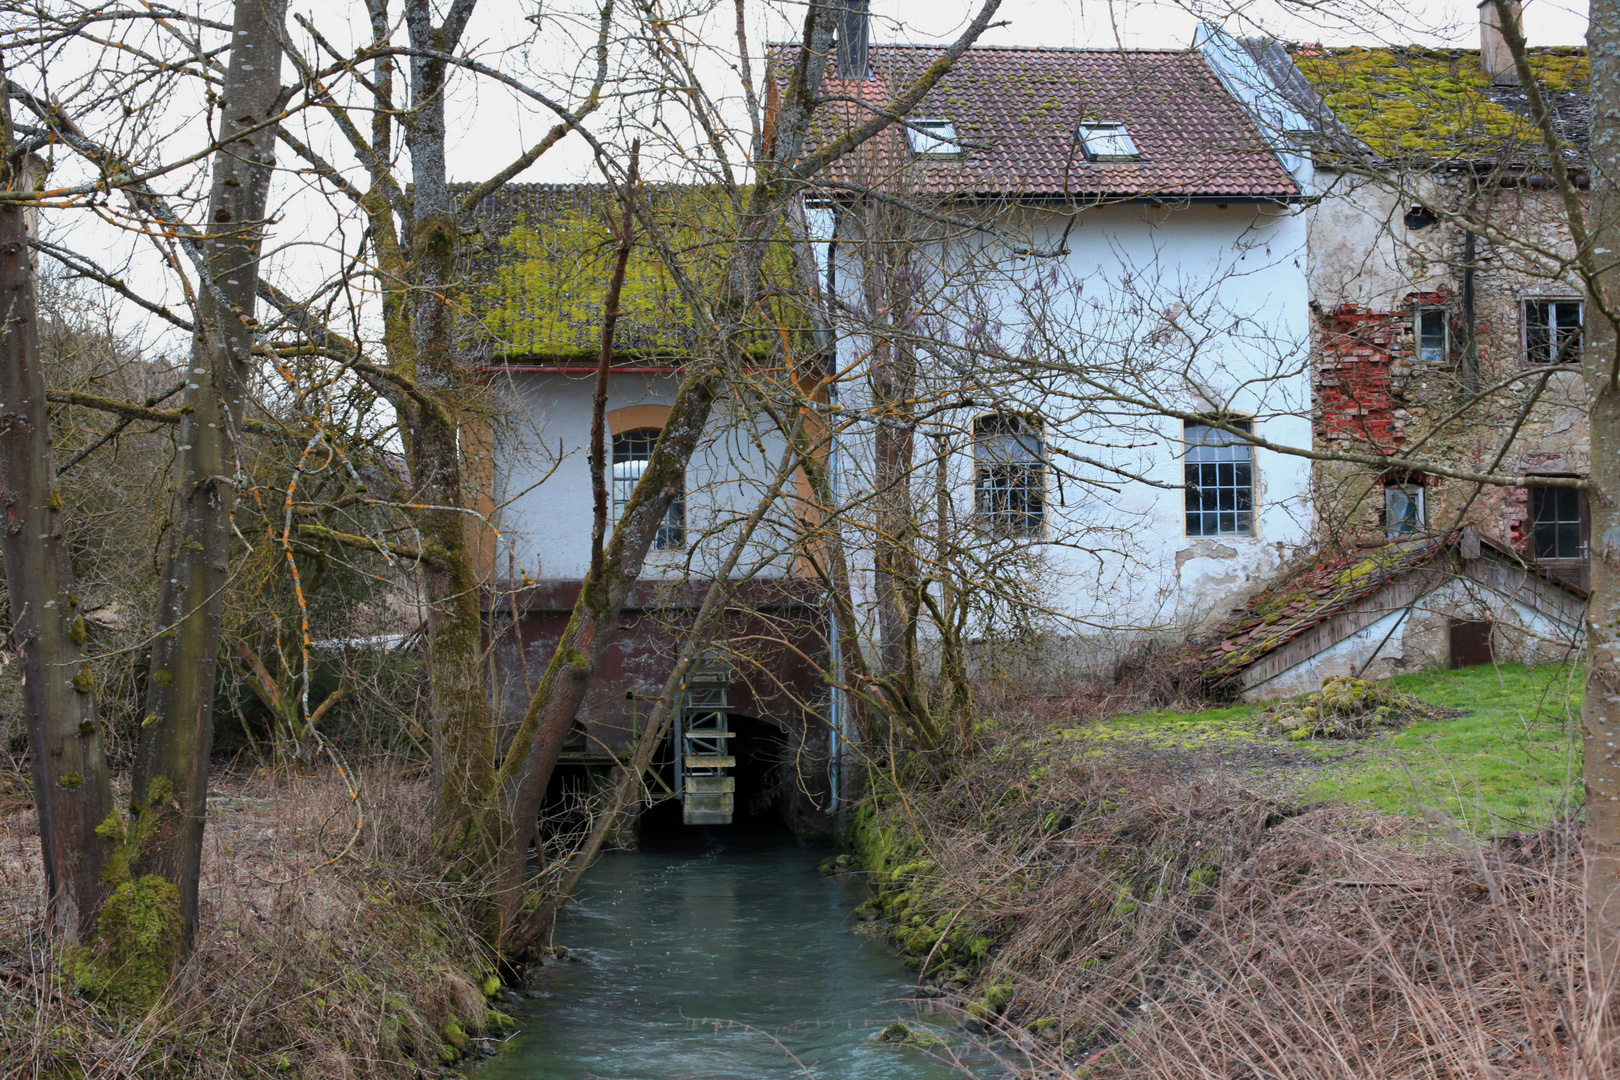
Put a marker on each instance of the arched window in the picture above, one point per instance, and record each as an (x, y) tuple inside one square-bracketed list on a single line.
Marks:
[(632, 450), (1009, 474)]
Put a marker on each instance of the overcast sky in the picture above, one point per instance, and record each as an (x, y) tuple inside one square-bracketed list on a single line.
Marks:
[(1149, 24)]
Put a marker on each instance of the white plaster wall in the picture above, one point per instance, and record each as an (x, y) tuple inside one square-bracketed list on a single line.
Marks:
[(543, 478), (1200, 308), (1363, 253)]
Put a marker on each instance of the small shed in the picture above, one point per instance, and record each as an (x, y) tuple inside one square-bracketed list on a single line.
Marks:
[(1406, 605)]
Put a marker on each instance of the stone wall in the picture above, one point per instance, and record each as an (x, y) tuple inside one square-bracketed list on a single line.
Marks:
[(1372, 269)]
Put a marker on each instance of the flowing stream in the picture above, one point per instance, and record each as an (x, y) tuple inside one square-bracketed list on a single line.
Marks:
[(730, 962)]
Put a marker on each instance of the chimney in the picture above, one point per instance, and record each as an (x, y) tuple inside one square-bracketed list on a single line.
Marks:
[(1494, 56), (854, 35)]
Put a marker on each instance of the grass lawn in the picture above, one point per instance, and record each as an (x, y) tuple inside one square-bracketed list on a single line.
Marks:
[(1511, 761)]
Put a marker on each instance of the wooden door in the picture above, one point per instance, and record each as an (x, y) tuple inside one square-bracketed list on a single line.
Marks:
[(1470, 642)]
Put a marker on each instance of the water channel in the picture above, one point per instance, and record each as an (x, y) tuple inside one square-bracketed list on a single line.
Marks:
[(718, 961)]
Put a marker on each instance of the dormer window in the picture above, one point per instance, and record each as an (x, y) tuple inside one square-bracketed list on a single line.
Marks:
[(1104, 143), (933, 139)]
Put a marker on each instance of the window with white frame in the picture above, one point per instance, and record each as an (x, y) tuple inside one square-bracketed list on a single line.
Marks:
[(933, 138), (1403, 508), (1219, 472), (1009, 474), (632, 451), (1433, 335), (1108, 142), (1552, 331)]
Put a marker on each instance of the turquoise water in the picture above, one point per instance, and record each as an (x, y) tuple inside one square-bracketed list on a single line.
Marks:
[(714, 965)]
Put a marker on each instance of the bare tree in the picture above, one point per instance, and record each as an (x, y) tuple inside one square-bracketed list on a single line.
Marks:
[(72, 789), (170, 784)]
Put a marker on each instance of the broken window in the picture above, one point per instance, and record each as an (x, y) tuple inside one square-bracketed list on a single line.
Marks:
[(1009, 474), (933, 138), (1107, 142), (1552, 331), (1220, 480), (1559, 532), (632, 451), (1403, 509), (1433, 336)]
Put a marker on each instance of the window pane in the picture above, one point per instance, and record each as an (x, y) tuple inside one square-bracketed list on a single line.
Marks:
[(1432, 336), (1553, 331), (1009, 474), (1219, 477), (632, 452), (1555, 515)]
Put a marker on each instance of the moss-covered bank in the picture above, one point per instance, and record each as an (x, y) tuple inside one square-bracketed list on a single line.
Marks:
[(313, 962)]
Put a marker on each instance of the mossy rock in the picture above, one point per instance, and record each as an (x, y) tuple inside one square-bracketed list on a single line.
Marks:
[(906, 1035), (1348, 708)]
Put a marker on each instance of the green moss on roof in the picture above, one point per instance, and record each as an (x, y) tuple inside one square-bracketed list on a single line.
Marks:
[(1301, 601), (541, 289), (1427, 101)]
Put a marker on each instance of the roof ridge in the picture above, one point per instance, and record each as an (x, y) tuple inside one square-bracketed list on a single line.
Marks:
[(1019, 48)]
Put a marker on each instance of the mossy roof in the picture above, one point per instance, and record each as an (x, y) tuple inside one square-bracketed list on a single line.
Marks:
[(542, 255), (1302, 600), (1439, 104)]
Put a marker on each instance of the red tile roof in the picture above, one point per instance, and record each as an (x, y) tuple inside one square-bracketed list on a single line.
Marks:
[(1016, 112)]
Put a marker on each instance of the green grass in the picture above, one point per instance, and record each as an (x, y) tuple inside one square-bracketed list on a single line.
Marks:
[(1511, 761)]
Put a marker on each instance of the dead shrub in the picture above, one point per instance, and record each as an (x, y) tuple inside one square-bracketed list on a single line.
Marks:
[(306, 965), (1141, 924)]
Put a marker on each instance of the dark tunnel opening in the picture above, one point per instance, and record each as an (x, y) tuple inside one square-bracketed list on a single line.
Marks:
[(765, 779)]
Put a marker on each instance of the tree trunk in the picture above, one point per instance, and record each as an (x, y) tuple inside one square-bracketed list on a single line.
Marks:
[(170, 787), (459, 693), (893, 441), (1600, 714), (537, 744), (72, 793)]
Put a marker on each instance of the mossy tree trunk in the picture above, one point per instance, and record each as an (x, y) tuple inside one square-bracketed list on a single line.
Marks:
[(1600, 714), (72, 792), (459, 694), (177, 732)]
